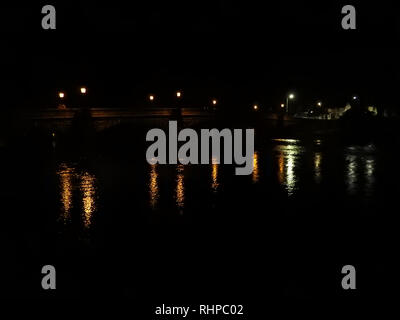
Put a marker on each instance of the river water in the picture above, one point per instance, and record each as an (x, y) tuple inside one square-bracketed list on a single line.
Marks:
[(200, 228), (291, 166)]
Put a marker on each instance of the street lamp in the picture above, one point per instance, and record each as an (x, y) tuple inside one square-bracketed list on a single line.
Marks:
[(178, 94), (291, 97), (151, 97), (319, 104), (61, 105), (255, 107), (282, 105), (83, 90), (214, 102)]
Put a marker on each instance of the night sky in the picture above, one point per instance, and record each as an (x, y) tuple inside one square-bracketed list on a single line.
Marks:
[(236, 51)]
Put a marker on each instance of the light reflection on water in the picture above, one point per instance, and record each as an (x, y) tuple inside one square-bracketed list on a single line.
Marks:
[(255, 175), (370, 165), (360, 169), (180, 188), (88, 190), (290, 141), (153, 186), (317, 166), (71, 179), (360, 166), (65, 175), (214, 177), (351, 172), (288, 155), (292, 163)]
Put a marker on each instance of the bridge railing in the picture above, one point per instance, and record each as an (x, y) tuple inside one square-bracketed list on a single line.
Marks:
[(53, 113)]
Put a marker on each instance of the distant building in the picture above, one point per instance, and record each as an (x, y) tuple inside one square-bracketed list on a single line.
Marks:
[(336, 113), (333, 113), (373, 110)]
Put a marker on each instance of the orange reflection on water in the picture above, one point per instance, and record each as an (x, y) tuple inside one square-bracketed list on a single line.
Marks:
[(88, 190), (65, 175), (180, 187), (281, 163), (214, 177), (255, 174), (153, 186)]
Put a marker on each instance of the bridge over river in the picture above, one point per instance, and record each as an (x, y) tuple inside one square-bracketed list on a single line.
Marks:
[(107, 117), (106, 113)]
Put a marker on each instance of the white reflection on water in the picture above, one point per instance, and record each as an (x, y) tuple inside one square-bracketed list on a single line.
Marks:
[(351, 173), (180, 188), (288, 154), (255, 175), (318, 142), (289, 141), (360, 169), (70, 180), (369, 168), (317, 166), (153, 186)]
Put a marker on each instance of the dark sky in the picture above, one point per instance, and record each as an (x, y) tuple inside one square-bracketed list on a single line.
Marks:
[(237, 51)]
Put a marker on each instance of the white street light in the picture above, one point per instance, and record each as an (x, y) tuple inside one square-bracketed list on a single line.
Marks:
[(291, 97)]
